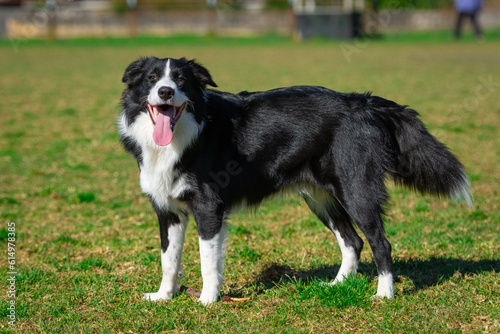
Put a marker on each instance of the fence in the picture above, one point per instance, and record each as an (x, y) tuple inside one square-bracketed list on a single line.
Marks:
[(99, 19)]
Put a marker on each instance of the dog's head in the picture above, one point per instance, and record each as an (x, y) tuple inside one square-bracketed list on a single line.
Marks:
[(166, 89)]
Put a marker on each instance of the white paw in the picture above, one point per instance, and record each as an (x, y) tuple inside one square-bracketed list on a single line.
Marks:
[(327, 283), (385, 287), (340, 278), (381, 296), (156, 296), (207, 299), (337, 280)]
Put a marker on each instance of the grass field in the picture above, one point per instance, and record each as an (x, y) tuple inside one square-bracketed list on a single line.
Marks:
[(87, 242)]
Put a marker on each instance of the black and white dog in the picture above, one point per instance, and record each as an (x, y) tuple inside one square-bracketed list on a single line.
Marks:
[(205, 152)]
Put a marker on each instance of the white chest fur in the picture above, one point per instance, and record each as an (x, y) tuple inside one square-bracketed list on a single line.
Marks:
[(159, 178), (158, 175)]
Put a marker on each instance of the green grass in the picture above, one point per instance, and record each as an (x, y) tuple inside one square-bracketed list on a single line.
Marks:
[(88, 242)]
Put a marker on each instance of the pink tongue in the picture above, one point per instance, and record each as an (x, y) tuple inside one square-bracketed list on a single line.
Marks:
[(162, 133)]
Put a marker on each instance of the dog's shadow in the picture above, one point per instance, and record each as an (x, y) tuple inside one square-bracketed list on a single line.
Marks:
[(422, 273)]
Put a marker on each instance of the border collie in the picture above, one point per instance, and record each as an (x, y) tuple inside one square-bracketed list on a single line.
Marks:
[(204, 152)]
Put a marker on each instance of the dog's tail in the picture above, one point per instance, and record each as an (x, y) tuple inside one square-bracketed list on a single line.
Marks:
[(423, 163)]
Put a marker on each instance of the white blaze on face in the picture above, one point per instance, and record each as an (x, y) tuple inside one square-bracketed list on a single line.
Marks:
[(165, 112)]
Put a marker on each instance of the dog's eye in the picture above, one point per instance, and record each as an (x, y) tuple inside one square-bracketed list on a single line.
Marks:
[(180, 80), (153, 78)]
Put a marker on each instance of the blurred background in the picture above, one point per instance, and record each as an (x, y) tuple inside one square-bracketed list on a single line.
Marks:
[(302, 19)]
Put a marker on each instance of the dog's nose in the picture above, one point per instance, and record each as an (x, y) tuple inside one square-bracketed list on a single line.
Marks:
[(166, 92)]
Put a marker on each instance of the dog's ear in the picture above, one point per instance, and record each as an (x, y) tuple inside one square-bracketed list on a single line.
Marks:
[(201, 74), (135, 71)]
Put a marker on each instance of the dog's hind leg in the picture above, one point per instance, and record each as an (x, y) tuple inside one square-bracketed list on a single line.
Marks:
[(329, 211), (365, 208)]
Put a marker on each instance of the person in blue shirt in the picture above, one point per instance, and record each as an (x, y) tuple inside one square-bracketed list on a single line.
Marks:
[(468, 9)]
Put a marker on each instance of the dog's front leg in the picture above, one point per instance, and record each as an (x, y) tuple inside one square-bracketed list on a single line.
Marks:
[(212, 263), (212, 235), (172, 232)]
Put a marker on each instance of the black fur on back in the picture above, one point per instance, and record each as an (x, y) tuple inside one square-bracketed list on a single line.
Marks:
[(309, 134)]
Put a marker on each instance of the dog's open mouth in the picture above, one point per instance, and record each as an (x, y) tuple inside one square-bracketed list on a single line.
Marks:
[(164, 118)]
